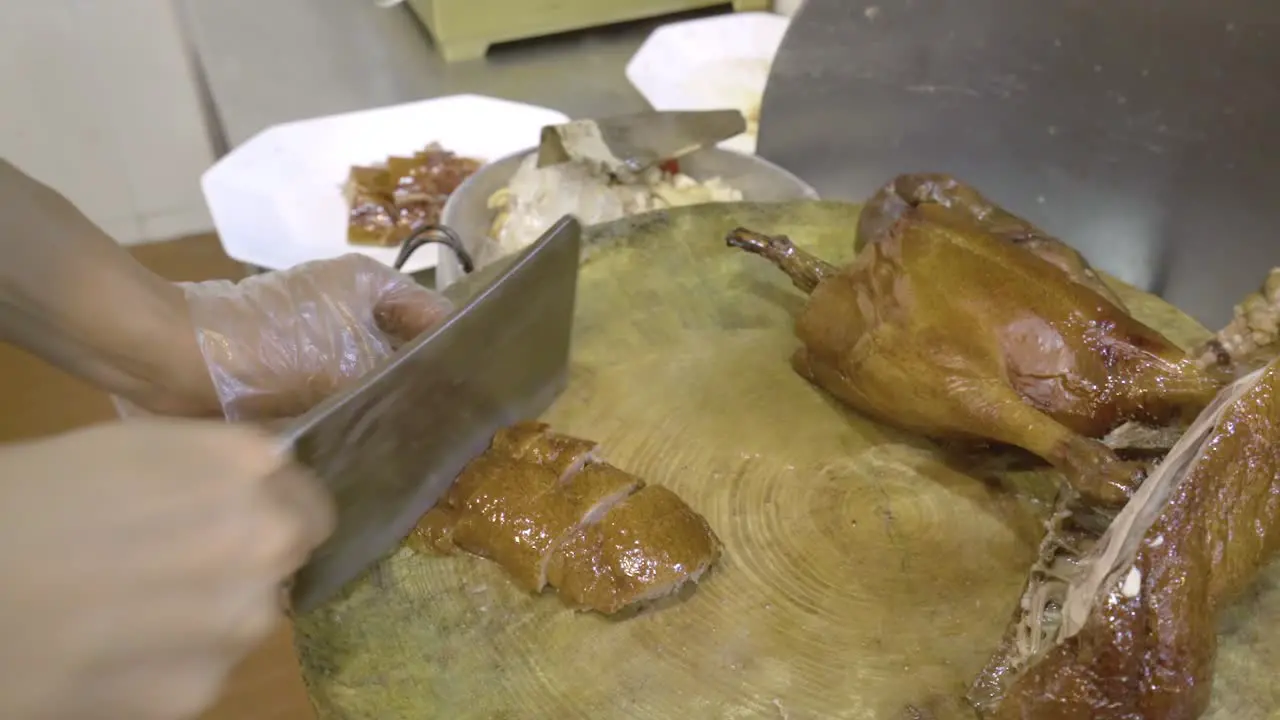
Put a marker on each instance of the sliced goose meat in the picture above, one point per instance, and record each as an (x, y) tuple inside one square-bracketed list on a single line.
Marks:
[(493, 492), (536, 500), (644, 548), (521, 500), (534, 442), (519, 515), (434, 531), (587, 495), (513, 517)]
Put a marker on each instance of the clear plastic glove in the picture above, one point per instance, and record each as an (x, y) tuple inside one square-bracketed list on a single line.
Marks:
[(141, 562), (278, 343)]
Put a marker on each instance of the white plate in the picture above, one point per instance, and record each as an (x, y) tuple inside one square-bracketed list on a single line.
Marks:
[(710, 64), (277, 199)]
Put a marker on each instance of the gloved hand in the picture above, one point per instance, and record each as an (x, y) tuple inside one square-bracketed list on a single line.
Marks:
[(278, 343), (140, 562)]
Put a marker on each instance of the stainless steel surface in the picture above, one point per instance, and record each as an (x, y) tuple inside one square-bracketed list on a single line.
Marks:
[(1137, 131), (270, 62), (637, 141), (468, 213), (390, 446)]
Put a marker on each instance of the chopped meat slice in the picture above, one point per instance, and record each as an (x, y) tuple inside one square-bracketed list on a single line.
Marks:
[(514, 517), (434, 532), (515, 440), (539, 505), (598, 488), (644, 548), (519, 515), (476, 474), (590, 494), (561, 454), (387, 204), (534, 442)]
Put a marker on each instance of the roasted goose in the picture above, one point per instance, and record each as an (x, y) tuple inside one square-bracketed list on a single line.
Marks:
[(1125, 626), (957, 320), (542, 506)]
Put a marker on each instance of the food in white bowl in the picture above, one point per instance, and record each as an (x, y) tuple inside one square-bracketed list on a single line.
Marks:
[(388, 202), (536, 198)]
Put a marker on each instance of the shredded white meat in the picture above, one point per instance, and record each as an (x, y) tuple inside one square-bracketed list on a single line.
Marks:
[(537, 197)]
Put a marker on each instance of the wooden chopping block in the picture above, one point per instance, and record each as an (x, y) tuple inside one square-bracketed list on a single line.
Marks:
[(862, 570)]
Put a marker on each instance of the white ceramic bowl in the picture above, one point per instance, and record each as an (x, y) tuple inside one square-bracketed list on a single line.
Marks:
[(468, 213)]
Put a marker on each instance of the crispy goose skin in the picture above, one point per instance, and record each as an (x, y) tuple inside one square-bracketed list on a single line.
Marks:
[(388, 203), (543, 507), (908, 191), (643, 549), (1126, 628), (942, 327)]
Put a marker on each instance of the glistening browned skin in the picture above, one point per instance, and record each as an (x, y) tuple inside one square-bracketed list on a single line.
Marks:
[(1146, 647), (544, 508), (884, 209), (943, 328), (641, 549), (386, 204), (534, 441)]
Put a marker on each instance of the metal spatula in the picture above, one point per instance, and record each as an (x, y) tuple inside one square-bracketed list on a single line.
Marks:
[(633, 143)]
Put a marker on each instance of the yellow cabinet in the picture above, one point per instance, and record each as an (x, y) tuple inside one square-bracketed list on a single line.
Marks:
[(464, 29)]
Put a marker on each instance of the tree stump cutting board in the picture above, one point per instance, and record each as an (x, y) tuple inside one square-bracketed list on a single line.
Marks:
[(864, 569)]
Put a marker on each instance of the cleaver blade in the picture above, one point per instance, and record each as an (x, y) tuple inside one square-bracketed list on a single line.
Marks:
[(390, 446)]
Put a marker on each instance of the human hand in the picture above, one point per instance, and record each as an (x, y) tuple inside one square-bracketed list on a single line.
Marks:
[(141, 562), (276, 344)]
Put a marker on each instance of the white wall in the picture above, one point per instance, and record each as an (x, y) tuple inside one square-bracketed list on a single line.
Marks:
[(97, 99)]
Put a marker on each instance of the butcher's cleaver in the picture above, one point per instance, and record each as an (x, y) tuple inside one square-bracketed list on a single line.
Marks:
[(389, 447)]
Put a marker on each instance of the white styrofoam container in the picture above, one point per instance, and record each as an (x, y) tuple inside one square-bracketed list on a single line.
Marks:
[(710, 64), (277, 199)]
